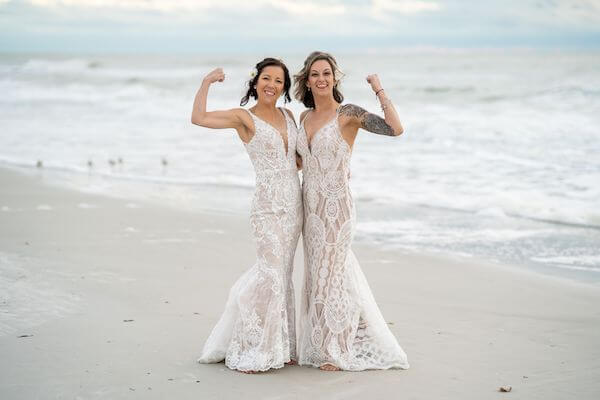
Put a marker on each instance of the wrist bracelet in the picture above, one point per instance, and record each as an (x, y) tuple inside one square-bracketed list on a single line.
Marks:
[(377, 92)]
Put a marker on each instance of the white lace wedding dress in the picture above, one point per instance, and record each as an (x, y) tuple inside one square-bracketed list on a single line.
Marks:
[(256, 332), (340, 322)]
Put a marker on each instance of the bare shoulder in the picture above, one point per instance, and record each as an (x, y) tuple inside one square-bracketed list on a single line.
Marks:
[(352, 111), (240, 112), (244, 117), (246, 128), (351, 115)]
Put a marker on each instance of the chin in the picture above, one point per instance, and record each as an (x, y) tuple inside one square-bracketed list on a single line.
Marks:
[(269, 100)]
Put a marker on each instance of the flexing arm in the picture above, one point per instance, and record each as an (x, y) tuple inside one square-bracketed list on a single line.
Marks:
[(390, 126), (213, 119)]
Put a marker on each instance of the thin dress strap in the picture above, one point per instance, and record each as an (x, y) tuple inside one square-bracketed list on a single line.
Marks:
[(305, 116)]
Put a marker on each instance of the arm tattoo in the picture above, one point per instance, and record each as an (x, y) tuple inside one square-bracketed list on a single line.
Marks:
[(370, 122)]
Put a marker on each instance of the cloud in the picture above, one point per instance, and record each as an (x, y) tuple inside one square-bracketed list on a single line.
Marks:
[(571, 12), (405, 6), (310, 7), (292, 7), (283, 24), (151, 5)]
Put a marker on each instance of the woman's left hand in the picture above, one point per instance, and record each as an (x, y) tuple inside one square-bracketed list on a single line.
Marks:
[(373, 80)]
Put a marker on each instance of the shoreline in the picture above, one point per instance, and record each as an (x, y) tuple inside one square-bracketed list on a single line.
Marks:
[(207, 199), (119, 296)]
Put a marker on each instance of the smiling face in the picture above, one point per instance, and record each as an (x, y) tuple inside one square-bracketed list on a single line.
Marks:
[(270, 84), (320, 78)]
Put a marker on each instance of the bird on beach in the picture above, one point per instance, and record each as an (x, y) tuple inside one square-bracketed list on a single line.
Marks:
[(90, 164), (164, 162), (39, 164)]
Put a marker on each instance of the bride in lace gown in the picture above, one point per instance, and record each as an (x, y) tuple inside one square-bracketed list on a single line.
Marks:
[(256, 332), (341, 326)]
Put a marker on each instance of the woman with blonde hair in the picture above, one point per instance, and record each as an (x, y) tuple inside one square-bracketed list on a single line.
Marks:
[(341, 327)]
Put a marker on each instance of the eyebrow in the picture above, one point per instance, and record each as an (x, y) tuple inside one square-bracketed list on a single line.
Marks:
[(325, 70)]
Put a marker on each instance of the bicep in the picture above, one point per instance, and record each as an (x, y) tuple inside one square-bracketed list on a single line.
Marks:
[(374, 123), (221, 119), (361, 118)]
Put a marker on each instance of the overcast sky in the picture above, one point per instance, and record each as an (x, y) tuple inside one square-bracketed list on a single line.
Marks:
[(281, 25)]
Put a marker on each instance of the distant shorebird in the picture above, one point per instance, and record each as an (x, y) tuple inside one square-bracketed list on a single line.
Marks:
[(164, 162), (120, 160), (111, 162), (90, 164), (39, 164)]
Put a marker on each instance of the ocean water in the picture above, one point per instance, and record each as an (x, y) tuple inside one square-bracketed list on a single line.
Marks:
[(500, 158)]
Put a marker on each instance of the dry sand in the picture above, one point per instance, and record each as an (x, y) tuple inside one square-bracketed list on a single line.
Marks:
[(119, 296)]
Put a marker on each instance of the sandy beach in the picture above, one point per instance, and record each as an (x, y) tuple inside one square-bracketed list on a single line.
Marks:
[(110, 298)]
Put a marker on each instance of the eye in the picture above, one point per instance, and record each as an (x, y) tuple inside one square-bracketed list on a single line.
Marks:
[(327, 73)]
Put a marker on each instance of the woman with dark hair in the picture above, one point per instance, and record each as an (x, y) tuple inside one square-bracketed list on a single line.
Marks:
[(341, 326), (256, 332)]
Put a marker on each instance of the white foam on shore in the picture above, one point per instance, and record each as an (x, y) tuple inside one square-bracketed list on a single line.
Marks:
[(582, 262)]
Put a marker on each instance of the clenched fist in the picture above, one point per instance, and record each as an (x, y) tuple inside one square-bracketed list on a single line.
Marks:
[(373, 80), (216, 75)]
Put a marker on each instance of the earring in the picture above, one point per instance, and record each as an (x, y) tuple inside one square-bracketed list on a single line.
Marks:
[(309, 88)]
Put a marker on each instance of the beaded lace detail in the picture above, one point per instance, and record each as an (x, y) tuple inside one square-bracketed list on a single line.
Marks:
[(256, 332), (340, 322)]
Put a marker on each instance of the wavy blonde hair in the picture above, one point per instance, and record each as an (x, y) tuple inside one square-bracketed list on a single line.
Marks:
[(301, 92)]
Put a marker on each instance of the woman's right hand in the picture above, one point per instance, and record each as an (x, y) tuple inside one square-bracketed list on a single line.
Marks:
[(216, 75)]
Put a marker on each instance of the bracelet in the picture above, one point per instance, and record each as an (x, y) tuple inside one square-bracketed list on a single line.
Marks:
[(377, 92), (386, 104)]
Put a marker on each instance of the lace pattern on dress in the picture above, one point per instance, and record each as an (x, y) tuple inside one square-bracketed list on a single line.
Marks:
[(340, 322), (257, 330)]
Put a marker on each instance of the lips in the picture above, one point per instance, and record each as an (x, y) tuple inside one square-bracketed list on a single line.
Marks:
[(269, 92)]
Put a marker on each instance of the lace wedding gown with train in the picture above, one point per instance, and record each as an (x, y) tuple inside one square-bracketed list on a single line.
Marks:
[(340, 323), (256, 332)]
